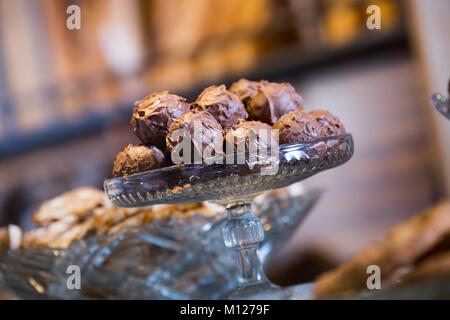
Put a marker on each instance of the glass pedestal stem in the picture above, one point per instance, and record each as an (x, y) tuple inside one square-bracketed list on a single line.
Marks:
[(243, 233)]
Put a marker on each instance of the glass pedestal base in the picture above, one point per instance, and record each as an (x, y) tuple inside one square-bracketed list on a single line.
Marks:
[(258, 291)]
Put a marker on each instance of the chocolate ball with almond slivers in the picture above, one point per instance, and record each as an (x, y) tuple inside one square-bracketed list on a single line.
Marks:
[(330, 123), (245, 89), (249, 136), (273, 100), (198, 133), (298, 126), (224, 105), (153, 115), (135, 159)]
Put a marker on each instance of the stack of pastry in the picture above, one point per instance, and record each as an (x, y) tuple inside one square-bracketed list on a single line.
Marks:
[(86, 211), (415, 250)]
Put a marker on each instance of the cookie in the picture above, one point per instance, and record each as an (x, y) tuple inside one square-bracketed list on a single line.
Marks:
[(79, 202), (106, 217), (76, 232), (405, 244), (435, 266), (45, 236), (10, 237), (141, 218)]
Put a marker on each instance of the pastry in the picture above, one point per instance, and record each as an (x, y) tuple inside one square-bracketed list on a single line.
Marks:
[(249, 137), (271, 101), (405, 244), (153, 115), (135, 159), (78, 202), (298, 126), (330, 123), (245, 89), (10, 237), (224, 105), (195, 137)]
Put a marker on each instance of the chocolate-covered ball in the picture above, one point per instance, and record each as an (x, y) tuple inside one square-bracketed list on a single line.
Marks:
[(135, 159), (204, 135), (271, 101), (330, 123), (298, 126), (224, 105), (245, 89), (249, 136), (153, 115)]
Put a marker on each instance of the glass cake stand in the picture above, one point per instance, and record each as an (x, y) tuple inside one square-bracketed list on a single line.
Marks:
[(234, 187)]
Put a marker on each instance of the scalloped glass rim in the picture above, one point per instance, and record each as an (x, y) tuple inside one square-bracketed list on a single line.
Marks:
[(174, 184), (284, 147)]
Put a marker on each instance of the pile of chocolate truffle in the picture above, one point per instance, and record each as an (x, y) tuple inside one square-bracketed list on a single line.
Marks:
[(223, 115)]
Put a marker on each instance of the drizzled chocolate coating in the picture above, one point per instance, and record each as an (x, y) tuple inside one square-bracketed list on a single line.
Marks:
[(271, 101), (297, 126), (245, 89), (134, 159), (153, 115), (210, 134), (224, 105), (330, 123), (254, 135)]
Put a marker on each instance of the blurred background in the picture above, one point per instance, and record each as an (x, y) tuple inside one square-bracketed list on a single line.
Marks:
[(66, 96)]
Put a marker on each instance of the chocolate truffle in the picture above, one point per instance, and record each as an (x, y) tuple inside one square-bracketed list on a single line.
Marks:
[(224, 105), (330, 123), (204, 136), (298, 126), (245, 89), (153, 115), (249, 136), (271, 101), (134, 159)]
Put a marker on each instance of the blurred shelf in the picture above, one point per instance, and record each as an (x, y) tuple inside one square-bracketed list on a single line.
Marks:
[(15, 144), (296, 60), (281, 64)]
